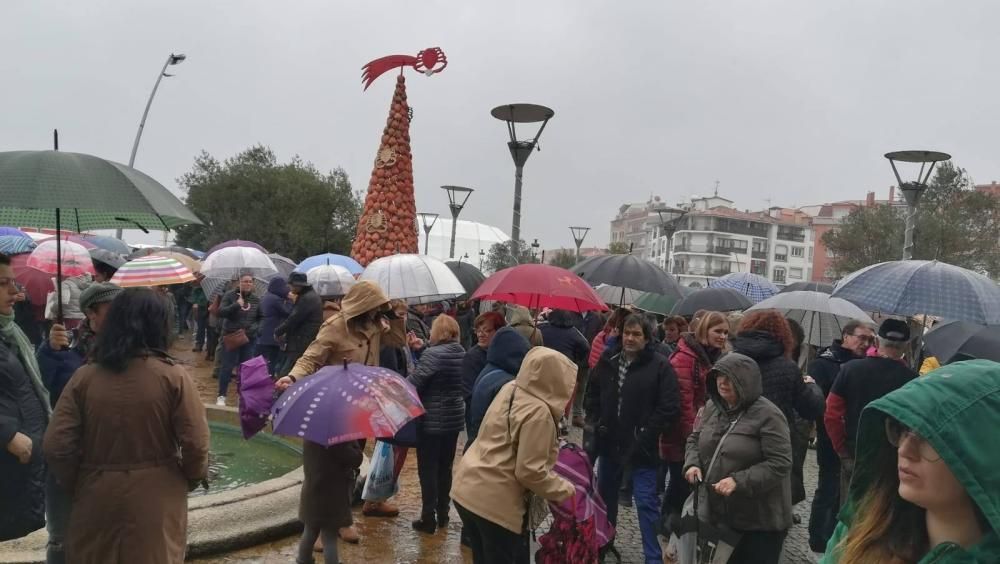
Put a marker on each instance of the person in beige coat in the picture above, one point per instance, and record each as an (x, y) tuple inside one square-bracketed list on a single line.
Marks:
[(513, 455), (129, 439)]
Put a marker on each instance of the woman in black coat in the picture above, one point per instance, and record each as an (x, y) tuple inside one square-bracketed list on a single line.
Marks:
[(438, 380)]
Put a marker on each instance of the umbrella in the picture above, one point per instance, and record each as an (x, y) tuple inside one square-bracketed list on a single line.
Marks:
[(229, 263), (284, 265), (152, 271), (418, 279), (14, 232), (146, 251), (911, 287), (712, 299), (15, 245), (470, 276), (330, 280), (345, 403), (72, 237), (256, 391), (538, 286), (109, 258), (329, 258), (628, 271), (191, 264), (235, 243), (753, 286), (112, 244), (963, 339), (47, 256), (821, 316), (616, 295), (656, 303), (808, 287), (37, 284)]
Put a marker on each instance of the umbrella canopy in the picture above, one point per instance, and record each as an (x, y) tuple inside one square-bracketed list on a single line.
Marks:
[(84, 242), (15, 245), (911, 287), (821, 316), (538, 286), (229, 263), (112, 244), (330, 280), (713, 299), (753, 286), (146, 251), (345, 403), (628, 271), (14, 232), (152, 271), (37, 284), (656, 303), (236, 243), (191, 264), (256, 392), (616, 295), (965, 340), (75, 258), (350, 264), (808, 287), (284, 265), (470, 276), (418, 279), (113, 260)]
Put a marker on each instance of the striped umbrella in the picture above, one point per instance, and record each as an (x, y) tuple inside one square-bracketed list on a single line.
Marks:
[(16, 245), (152, 271), (191, 264)]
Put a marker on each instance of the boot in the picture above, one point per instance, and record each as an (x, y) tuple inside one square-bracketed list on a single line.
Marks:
[(379, 509), (425, 524), (349, 535)]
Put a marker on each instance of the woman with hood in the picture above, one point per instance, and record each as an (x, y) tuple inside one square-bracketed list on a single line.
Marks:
[(520, 319), (239, 311), (503, 361), (743, 453), (514, 455), (274, 309), (926, 487)]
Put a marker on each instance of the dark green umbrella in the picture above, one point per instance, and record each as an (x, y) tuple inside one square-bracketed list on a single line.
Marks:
[(655, 303)]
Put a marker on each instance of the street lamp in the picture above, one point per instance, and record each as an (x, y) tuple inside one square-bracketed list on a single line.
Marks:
[(520, 150), (913, 190), (534, 249), (457, 196), (579, 233), (171, 60), (668, 226), (482, 255), (424, 217)]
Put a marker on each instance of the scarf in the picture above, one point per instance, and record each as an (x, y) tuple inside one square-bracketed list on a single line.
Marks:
[(11, 333)]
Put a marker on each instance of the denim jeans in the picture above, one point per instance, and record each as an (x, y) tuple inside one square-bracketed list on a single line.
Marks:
[(647, 504), (230, 360), (201, 331), (58, 504), (826, 500)]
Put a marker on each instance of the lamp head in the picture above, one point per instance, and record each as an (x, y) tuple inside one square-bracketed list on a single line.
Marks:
[(177, 59)]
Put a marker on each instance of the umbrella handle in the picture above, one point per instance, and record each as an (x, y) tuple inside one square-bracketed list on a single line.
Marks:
[(59, 302)]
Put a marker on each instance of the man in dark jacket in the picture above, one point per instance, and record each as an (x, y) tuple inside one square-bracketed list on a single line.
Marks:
[(855, 339), (274, 309), (503, 361), (299, 329), (561, 334), (631, 400)]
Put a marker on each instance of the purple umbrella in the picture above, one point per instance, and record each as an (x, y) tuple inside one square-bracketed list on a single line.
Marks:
[(256, 393), (236, 243), (13, 231), (345, 403)]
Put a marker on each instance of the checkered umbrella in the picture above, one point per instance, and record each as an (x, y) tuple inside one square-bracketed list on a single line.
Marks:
[(755, 287), (911, 287), (821, 316)]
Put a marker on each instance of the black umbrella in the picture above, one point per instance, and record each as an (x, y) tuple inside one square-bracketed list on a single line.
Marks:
[(963, 339), (712, 299), (468, 275), (808, 287), (630, 272)]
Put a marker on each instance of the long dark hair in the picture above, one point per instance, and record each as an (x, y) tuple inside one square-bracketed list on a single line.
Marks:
[(137, 323)]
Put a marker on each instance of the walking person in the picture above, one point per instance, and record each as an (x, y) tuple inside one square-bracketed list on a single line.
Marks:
[(632, 399), (513, 456), (299, 329), (275, 307), (438, 380), (130, 421), (854, 341), (199, 310), (742, 452), (182, 295), (240, 318)]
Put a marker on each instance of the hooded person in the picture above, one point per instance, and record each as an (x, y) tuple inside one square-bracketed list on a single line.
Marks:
[(926, 487), (514, 454), (561, 333), (742, 451), (520, 319), (299, 329), (503, 361), (274, 309)]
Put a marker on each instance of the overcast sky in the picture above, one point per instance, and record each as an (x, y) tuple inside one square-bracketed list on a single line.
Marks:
[(789, 101)]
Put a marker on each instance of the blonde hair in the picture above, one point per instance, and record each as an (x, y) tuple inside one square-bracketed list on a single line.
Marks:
[(444, 330), (707, 321)]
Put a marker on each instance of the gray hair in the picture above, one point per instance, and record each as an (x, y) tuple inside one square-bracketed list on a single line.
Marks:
[(895, 346)]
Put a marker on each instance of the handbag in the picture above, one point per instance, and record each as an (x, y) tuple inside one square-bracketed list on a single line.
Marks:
[(235, 340)]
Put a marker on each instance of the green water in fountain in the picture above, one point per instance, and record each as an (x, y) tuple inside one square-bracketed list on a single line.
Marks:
[(235, 462)]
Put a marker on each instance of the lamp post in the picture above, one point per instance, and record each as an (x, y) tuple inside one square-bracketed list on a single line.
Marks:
[(668, 226), (520, 150), (579, 233), (171, 60), (482, 255), (457, 196), (534, 249), (424, 217), (913, 190)]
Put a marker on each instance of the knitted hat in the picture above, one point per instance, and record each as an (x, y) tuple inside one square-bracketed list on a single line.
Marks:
[(98, 293)]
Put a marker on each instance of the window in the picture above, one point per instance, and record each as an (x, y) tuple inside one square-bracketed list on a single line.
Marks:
[(781, 253), (795, 273), (798, 251), (758, 267), (810, 254), (779, 275)]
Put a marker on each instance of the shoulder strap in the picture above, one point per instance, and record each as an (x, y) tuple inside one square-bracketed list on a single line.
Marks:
[(718, 447)]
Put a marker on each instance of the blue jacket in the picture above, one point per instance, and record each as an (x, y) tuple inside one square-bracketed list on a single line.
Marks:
[(57, 367), (561, 334), (274, 308), (503, 362)]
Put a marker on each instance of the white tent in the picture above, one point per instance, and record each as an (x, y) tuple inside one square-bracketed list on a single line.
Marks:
[(470, 237)]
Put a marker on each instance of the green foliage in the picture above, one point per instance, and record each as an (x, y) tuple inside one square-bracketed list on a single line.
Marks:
[(500, 257), (289, 208), (618, 248), (563, 258)]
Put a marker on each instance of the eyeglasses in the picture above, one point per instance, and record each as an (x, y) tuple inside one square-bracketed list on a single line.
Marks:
[(895, 432), (864, 338), (485, 331)]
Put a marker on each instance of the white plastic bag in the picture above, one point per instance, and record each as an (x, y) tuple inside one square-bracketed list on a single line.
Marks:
[(381, 483)]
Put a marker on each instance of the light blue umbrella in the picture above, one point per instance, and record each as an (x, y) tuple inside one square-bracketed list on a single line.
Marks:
[(329, 258), (13, 231), (755, 287), (112, 244), (912, 287), (16, 245)]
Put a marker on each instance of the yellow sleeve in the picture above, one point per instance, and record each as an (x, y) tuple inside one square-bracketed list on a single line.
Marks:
[(930, 363)]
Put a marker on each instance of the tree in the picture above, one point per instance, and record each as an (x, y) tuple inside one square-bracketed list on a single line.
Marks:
[(499, 256), (291, 208), (564, 259), (954, 224), (618, 248)]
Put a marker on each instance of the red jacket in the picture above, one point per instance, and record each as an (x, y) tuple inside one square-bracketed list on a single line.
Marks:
[(691, 374), (596, 349)]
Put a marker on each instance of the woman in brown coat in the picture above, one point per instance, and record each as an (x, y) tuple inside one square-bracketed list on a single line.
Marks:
[(129, 439)]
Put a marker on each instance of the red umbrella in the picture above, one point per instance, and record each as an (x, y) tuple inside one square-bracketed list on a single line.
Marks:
[(37, 284), (540, 285), (71, 258)]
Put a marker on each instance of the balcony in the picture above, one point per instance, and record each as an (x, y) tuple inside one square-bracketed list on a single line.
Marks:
[(706, 249), (742, 227), (781, 258), (759, 254), (683, 270), (796, 235), (725, 250)]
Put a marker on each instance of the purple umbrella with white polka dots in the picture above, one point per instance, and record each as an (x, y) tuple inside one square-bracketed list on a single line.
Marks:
[(345, 403)]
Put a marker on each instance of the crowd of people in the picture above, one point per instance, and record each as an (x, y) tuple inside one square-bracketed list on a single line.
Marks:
[(715, 408)]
